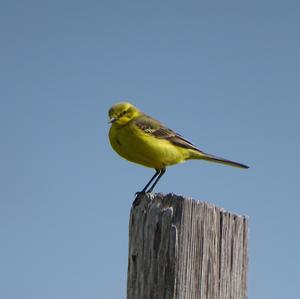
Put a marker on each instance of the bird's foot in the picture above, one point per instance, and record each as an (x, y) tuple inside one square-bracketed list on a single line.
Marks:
[(138, 198), (138, 193)]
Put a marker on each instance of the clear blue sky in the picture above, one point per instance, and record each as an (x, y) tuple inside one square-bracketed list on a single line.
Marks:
[(223, 74)]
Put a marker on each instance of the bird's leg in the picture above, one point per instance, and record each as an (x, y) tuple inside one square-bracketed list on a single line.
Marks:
[(148, 184), (137, 200), (158, 174), (161, 173)]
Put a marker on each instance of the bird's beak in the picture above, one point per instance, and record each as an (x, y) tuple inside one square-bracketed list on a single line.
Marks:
[(112, 120)]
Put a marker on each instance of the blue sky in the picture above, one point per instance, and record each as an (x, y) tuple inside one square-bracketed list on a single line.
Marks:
[(223, 74)]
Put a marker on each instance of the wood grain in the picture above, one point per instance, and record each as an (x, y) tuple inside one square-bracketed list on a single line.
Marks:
[(180, 248)]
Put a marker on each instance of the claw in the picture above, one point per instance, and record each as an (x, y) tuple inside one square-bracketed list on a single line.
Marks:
[(138, 198)]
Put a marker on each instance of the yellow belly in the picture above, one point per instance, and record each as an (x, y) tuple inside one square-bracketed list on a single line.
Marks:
[(136, 146)]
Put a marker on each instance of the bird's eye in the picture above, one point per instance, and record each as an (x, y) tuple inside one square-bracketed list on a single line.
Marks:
[(124, 112)]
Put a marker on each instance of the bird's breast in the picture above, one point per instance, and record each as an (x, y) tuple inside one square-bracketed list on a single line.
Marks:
[(136, 146)]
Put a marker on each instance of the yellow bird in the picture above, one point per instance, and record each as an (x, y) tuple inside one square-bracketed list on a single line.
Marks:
[(142, 139)]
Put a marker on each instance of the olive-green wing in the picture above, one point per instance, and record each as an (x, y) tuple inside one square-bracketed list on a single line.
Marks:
[(154, 128)]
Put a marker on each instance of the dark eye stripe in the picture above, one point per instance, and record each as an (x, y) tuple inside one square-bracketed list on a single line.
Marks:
[(122, 113)]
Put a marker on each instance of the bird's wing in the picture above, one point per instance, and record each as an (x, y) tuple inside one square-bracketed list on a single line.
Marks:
[(154, 128)]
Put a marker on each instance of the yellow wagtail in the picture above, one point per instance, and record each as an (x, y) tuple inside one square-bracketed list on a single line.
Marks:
[(142, 139)]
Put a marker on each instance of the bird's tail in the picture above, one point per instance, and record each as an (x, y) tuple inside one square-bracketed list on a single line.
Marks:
[(203, 156)]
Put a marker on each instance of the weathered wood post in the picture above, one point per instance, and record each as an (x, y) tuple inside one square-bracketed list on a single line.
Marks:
[(181, 248)]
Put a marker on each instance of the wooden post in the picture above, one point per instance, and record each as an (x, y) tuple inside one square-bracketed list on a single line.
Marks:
[(181, 248)]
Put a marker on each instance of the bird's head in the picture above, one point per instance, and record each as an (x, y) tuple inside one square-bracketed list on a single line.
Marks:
[(122, 113)]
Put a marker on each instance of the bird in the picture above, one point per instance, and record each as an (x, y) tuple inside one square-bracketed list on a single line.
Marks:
[(142, 139)]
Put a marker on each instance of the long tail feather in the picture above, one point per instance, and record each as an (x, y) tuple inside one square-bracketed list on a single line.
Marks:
[(216, 159)]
